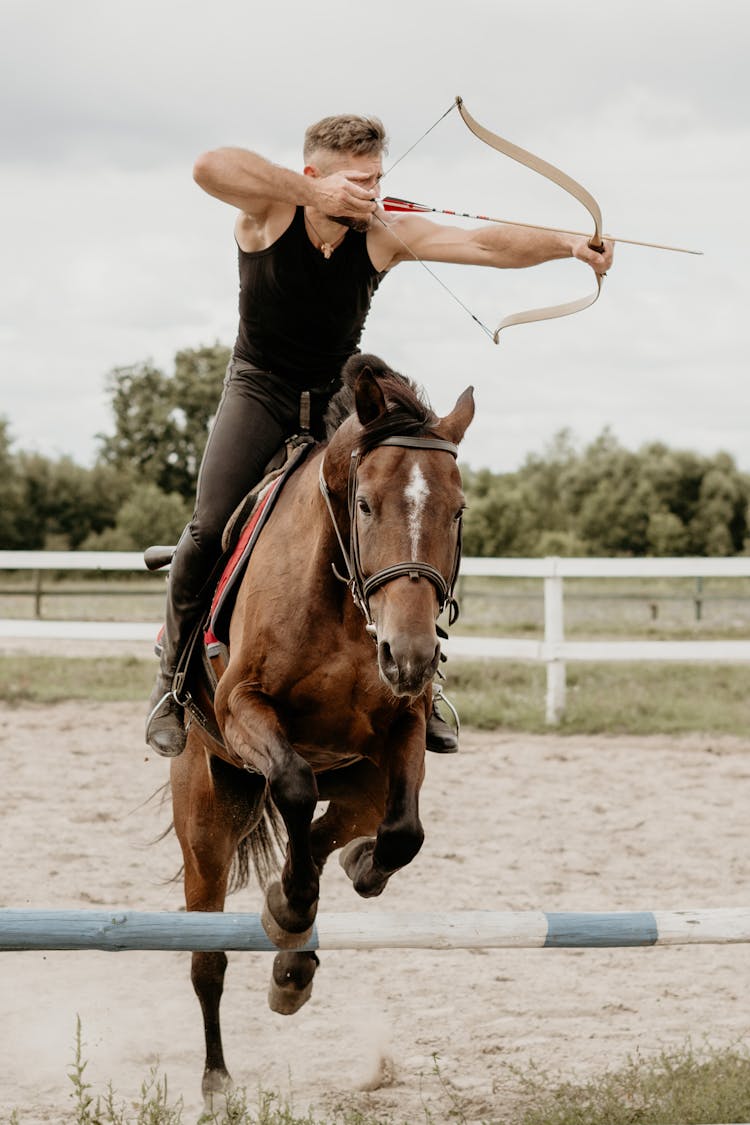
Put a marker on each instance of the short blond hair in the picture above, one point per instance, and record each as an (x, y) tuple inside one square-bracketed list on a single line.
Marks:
[(360, 136)]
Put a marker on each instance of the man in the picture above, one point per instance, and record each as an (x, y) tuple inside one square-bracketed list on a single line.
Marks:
[(313, 248)]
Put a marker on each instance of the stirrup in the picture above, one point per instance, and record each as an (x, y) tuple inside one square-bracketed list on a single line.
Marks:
[(441, 738), (167, 713), (439, 696)]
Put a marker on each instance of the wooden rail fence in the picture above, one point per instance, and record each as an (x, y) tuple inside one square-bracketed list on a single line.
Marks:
[(552, 649)]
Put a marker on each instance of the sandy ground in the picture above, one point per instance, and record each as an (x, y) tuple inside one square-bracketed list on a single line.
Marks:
[(513, 822)]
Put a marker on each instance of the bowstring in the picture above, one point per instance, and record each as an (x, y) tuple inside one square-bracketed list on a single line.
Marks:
[(419, 140), (408, 248), (435, 277)]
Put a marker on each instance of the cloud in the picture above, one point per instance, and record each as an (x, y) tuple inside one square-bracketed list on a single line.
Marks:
[(112, 255)]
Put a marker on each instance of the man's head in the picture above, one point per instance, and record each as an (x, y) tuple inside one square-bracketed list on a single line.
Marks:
[(345, 134), (347, 143)]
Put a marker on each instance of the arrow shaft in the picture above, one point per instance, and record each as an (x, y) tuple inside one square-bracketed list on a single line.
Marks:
[(390, 203)]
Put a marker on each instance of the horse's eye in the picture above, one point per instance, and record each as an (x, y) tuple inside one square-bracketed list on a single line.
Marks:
[(363, 506), (459, 513)]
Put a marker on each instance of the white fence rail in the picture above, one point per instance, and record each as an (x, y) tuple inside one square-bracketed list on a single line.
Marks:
[(553, 649)]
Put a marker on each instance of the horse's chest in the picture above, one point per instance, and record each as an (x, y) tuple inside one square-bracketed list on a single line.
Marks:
[(335, 719)]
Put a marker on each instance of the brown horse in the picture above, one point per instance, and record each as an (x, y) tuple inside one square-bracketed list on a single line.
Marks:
[(327, 686)]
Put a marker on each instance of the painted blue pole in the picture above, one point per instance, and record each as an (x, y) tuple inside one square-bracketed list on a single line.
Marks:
[(115, 931)]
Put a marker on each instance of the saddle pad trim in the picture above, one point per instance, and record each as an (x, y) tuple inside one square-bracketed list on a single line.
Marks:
[(218, 628)]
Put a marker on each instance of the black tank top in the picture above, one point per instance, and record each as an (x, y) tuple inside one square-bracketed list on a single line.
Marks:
[(302, 315)]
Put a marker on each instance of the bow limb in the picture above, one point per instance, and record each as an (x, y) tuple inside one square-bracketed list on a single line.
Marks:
[(563, 180)]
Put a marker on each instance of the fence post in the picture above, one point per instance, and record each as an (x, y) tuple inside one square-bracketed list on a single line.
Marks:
[(38, 591), (553, 636)]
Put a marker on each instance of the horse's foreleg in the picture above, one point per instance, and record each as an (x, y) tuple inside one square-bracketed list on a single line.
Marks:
[(252, 728), (370, 861), (356, 797)]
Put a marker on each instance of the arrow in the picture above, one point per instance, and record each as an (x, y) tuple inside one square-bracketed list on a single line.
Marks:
[(392, 203)]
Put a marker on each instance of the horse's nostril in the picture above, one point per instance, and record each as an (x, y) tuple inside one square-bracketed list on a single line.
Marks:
[(389, 665)]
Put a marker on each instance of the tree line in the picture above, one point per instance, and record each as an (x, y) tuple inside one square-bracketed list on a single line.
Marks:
[(600, 499)]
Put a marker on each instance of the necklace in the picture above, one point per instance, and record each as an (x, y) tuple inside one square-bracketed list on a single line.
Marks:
[(326, 248)]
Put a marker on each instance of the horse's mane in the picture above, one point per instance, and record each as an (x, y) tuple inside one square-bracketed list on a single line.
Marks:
[(407, 409)]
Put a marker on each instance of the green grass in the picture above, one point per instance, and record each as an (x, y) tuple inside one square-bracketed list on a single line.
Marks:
[(682, 1086), (53, 679), (622, 698), (676, 1088)]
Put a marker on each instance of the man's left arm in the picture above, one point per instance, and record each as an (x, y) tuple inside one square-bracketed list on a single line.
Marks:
[(406, 237)]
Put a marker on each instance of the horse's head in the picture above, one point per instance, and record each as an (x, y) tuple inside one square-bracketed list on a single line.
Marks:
[(404, 507)]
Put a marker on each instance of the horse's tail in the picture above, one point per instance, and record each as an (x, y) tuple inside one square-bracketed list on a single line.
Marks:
[(262, 846)]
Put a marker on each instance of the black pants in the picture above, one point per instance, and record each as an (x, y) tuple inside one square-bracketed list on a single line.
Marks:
[(258, 411)]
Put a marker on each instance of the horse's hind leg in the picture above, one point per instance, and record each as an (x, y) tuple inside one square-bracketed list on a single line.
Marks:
[(209, 822)]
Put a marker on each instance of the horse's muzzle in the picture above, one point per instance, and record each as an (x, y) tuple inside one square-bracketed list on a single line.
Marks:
[(407, 664)]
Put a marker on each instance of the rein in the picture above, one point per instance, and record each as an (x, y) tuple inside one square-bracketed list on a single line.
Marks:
[(362, 587)]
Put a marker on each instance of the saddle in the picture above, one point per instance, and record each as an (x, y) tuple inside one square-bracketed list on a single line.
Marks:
[(199, 664)]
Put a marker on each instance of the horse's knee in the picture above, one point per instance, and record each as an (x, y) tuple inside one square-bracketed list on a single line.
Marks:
[(294, 789), (398, 844)]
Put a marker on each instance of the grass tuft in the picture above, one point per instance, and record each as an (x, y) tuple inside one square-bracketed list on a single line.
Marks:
[(677, 1087), (681, 1086)]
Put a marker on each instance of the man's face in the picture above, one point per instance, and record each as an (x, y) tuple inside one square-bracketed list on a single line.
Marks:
[(370, 169)]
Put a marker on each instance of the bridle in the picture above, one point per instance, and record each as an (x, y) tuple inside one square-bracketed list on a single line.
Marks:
[(362, 587)]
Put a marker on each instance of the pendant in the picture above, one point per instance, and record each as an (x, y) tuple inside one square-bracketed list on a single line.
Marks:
[(327, 250)]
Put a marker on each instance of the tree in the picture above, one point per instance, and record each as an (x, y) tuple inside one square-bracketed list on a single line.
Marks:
[(148, 516), (162, 421), (63, 503), (11, 495), (607, 500)]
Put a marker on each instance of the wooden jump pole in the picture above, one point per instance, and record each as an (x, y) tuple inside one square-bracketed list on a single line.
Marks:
[(115, 930)]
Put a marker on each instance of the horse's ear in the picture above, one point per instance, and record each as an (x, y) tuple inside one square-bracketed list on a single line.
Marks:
[(455, 424), (368, 397)]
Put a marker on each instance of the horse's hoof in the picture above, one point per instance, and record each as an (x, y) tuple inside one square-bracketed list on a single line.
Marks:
[(291, 981), (284, 1001), (354, 852), (281, 926), (357, 861)]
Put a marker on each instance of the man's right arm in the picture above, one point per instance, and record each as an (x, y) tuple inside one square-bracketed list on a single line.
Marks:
[(255, 185), (249, 182)]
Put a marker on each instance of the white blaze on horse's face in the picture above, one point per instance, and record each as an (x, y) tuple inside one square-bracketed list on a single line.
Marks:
[(416, 493)]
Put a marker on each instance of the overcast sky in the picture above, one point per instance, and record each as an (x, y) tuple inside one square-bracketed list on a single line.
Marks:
[(112, 255)]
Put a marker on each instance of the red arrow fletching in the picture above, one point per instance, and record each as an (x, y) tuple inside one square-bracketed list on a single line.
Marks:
[(392, 203)]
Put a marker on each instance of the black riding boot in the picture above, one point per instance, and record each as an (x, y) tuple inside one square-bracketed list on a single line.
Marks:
[(165, 725), (441, 738)]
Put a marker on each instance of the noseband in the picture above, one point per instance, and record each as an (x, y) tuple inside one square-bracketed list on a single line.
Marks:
[(361, 587)]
